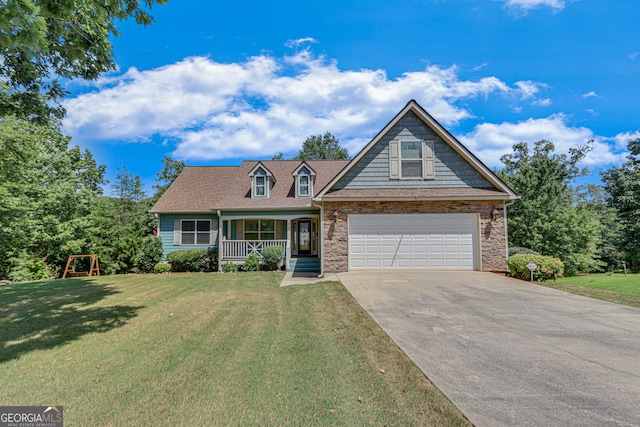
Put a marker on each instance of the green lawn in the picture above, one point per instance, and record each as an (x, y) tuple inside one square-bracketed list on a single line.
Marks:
[(616, 288), (207, 349)]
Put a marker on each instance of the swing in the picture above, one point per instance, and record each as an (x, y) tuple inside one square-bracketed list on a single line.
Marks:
[(70, 269)]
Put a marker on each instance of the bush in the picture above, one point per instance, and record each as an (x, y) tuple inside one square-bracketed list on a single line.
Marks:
[(581, 263), (161, 268), (272, 257), (229, 267), (26, 267), (548, 267), (519, 250), (251, 263), (150, 254), (191, 260)]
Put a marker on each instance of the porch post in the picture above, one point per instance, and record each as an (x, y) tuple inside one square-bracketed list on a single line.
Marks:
[(288, 251), (220, 238)]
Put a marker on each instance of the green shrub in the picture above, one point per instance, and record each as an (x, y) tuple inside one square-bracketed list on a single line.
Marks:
[(251, 263), (26, 267), (161, 268), (515, 250), (229, 267), (150, 254), (272, 257), (548, 267), (191, 260), (581, 263)]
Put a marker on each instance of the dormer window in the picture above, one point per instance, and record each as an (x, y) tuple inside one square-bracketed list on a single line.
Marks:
[(260, 186), (260, 181), (304, 180)]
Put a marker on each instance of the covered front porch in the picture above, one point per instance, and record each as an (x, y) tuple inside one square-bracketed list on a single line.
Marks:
[(245, 234)]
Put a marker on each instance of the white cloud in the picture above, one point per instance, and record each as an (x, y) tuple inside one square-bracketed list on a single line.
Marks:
[(542, 102), (490, 141), (634, 55), (266, 105), (591, 94), (528, 88), (622, 139), (299, 42), (524, 6)]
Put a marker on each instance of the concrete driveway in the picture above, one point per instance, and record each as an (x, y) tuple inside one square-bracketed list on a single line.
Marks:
[(506, 352)]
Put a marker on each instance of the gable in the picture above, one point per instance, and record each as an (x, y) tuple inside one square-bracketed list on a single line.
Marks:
[(372, 170)]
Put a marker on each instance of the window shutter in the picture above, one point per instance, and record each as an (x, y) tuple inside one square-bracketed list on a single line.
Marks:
[(428, 161), (177, 230), (213, 230), (394, 160)]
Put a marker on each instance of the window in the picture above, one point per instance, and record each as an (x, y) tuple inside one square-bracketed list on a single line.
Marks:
[(194, 232), (259, 229), (303, 176), (260, 186), (411, 160), (305, 183), (260, 183)]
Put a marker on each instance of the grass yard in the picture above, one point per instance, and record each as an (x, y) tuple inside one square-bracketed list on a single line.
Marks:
[(616, 288), (207, 349)]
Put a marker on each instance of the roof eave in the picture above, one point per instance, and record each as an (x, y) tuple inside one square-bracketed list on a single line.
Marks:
[(413, 198)]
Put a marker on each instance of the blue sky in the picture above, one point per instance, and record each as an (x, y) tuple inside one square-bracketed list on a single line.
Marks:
[(212, 83)]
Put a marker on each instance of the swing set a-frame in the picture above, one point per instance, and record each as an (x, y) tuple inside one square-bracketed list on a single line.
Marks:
[(70, 269)]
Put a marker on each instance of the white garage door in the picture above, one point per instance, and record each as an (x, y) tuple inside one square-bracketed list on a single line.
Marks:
[(412, 241)]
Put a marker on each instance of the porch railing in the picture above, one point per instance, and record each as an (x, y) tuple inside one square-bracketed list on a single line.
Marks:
[(240, 249)]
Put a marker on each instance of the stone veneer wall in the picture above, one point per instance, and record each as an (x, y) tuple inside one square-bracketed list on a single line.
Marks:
[(492, 233)]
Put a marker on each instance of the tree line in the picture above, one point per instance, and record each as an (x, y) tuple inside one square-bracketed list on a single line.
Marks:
[(591, 228), (52, 205)]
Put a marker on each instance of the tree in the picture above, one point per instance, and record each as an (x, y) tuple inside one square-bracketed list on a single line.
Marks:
[(121, 223), (544, 218), (593, 198), (42, 41), (46, 193), (170, 171), (322, 147), (623, 188)]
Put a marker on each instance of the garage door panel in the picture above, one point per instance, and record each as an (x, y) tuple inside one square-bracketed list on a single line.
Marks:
[(412, 241)]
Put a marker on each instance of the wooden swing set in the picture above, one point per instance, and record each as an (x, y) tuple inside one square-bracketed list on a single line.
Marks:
[(70, 269)]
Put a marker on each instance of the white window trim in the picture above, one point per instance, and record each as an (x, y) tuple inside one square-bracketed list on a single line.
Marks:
[(395, 160), (309, 184), (254, 186)]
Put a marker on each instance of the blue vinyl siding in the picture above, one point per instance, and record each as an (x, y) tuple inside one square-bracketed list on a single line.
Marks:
[(451, 170)]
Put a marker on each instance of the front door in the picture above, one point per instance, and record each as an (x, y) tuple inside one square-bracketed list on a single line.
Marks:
[(304, 237)]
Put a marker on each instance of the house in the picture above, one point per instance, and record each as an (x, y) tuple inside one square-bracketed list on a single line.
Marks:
[(413, 198)]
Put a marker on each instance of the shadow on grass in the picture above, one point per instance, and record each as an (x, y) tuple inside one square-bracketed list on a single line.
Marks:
[(44, 315)]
